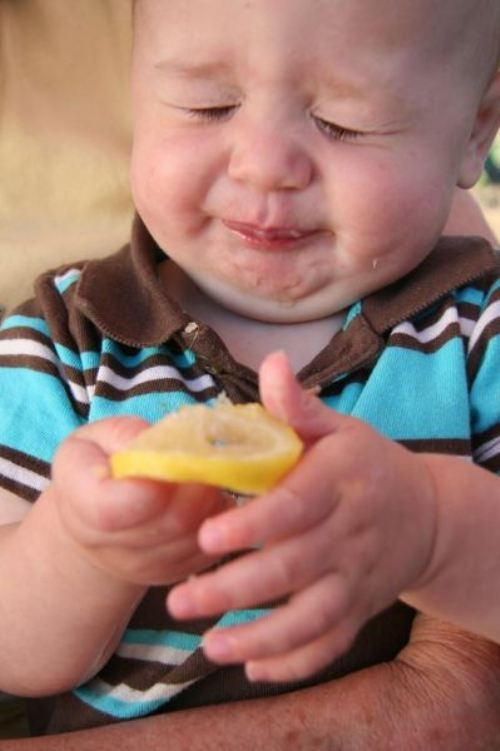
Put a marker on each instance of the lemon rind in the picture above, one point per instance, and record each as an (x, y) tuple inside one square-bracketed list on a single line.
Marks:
[(250, 475)]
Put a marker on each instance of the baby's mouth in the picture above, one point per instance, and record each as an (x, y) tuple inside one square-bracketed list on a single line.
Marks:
[(269, 237)]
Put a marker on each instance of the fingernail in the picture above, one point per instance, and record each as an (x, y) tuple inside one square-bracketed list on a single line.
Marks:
[(254, 673), (217, 647), (211, 537), (181, 605)]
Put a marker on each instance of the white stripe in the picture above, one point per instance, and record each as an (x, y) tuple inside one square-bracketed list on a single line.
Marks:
[(31, 348), (154, 653), (489, 315), (467, 326), (23, 476), (487, 450), (431, 332), (27, 347), (80, 393), (63, 277), (122, 692), (158, 372)]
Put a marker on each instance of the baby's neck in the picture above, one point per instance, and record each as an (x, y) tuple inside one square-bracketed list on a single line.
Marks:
[(248, 340)]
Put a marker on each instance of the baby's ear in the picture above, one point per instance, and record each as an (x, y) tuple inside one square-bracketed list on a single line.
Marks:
[(483, 133)]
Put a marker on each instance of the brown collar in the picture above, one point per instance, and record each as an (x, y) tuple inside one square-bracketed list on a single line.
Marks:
[(122, 295)]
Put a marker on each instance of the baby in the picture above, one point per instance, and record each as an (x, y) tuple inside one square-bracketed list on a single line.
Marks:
[(293, 169)]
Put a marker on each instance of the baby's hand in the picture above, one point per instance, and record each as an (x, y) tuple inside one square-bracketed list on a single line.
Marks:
[(349, 528), (140, 531)]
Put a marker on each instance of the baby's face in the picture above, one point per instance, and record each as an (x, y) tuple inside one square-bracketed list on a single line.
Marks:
[(294, 155)]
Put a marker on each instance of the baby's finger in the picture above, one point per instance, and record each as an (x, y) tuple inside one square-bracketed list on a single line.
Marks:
[(111, 434), (308, 616), (108, 505), (285, 511), (286, 399), (301, 663), (258, 577)]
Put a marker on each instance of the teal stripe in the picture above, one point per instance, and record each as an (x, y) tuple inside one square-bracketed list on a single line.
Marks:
[(485, 391), (62, 285), (114, 707), (435, 382), (77, 360), (346, 400), (240, 617), (39, 430), (176, 639), (18, 321), (470, 295), (352, 313), (181, 360), (151, 407), (494, 290)]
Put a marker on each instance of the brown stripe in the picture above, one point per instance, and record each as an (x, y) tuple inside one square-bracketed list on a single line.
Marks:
[(486, 435), (154, 361), (492, 464), (433, 315), (480, 441), (477, 354), (24, 461), (468, 310), (15, 333), (454, 446), (79, 377), (337, 387), (407, 341), (22, 491), (140, 675), (166, 386), (38, 466), (39, 365), (152, 614)]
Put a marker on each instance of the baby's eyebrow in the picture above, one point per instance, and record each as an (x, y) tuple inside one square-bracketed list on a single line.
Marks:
[(192, 69)]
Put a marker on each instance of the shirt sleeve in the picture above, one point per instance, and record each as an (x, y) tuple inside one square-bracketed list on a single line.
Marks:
[(484, 373), (41, 393)]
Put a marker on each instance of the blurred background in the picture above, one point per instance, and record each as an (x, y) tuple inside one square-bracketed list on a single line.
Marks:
[(65, 135), (488, 189)]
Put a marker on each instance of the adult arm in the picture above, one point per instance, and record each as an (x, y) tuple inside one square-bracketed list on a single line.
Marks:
[(441, 693)]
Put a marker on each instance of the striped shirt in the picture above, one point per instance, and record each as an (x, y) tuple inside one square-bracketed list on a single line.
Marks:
[(418, 360)]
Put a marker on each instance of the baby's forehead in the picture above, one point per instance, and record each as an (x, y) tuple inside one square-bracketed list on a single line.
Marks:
[(455, 25)]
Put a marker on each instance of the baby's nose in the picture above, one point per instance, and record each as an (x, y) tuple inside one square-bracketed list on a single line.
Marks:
[(270, 159)]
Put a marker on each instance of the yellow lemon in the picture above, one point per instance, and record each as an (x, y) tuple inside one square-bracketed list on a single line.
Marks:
[(240, 447)]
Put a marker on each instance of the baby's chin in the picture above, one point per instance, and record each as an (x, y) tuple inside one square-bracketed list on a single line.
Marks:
[(317, 305)]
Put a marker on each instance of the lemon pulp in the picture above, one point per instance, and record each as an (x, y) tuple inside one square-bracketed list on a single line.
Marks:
[(240, 447)]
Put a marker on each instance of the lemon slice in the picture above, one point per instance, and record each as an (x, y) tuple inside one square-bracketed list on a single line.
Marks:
[(240, 447)]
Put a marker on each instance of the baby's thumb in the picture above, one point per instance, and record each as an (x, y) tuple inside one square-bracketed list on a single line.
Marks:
[(283, 396)]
